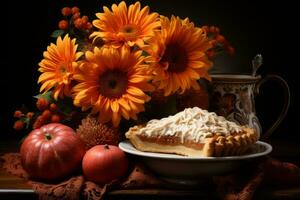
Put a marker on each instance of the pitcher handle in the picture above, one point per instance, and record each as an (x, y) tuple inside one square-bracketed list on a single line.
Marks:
[(286, 105)]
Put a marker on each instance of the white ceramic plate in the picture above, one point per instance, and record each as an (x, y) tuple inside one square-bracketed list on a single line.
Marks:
[(187, 169), (259, 149)]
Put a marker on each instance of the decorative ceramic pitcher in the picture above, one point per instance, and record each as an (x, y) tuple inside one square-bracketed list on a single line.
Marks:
[(233, 98)]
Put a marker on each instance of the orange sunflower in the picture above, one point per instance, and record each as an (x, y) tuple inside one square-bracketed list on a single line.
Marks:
[(113, 83), (58, 67), (179, 52), (125, 25)]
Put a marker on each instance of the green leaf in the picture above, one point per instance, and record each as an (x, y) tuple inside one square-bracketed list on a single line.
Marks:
[(27, 122), (57, 33), (144, 53), (47, 96), (65, 106)]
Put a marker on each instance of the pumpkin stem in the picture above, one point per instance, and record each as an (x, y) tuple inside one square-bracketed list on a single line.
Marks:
[(106, 146), (48, 136)]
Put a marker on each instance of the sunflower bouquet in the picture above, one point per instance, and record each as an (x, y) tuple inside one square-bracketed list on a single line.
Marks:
[(127, 66)]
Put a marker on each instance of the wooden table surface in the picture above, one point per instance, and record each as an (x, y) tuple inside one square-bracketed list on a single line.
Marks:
[(12, 187)]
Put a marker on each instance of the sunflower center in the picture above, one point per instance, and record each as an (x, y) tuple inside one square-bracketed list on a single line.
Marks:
[(176, 56), (113, 84), (62, 69), (129, 31)]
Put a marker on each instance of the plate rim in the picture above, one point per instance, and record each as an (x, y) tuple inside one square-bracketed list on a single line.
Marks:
[(178, 157)]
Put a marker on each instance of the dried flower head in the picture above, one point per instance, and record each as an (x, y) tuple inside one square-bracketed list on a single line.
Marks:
[(92, 132)]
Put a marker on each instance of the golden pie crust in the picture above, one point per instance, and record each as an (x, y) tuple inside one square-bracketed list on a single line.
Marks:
[(218, 145)]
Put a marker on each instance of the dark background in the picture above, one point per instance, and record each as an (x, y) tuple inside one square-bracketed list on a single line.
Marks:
[(269, 28)]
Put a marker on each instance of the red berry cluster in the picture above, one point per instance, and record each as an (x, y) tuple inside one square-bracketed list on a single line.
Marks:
[(217, 40), (74, 19), (48, 112), (19, 124), (21, 119)]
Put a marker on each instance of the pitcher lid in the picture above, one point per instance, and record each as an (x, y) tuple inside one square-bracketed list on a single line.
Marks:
[(234, 78)]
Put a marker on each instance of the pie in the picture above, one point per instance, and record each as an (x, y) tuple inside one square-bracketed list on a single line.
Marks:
[(193, 132)]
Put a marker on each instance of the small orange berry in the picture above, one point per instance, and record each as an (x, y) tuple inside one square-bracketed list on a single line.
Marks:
[(53, 107), (230, 50), (214, 43), (85, 19), (30, 115), (89, 25), (46, 114), (217, 30), (75, 10), (18, 125), (36, 125), (55, 118), (210, 53), (18, 114), (78, 23), (63, 25), (42, 104), (66, 11), (76, 16), (212, 29), (38, 122), (205, 28), (220, 39)]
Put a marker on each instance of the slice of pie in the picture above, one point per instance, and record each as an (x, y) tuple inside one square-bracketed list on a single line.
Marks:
[(193, 132)]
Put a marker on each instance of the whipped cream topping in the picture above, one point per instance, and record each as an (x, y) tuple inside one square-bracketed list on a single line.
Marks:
[(193, 124)]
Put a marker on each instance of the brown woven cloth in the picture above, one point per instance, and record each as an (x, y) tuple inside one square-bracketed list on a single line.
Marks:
[(239, 186)]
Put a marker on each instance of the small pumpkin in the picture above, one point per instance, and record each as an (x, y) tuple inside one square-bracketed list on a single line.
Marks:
[(52, 152), (104, 163)]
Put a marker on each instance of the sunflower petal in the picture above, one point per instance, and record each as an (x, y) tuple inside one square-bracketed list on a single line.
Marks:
[(115, 106), (135, 91), (134, 99)]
